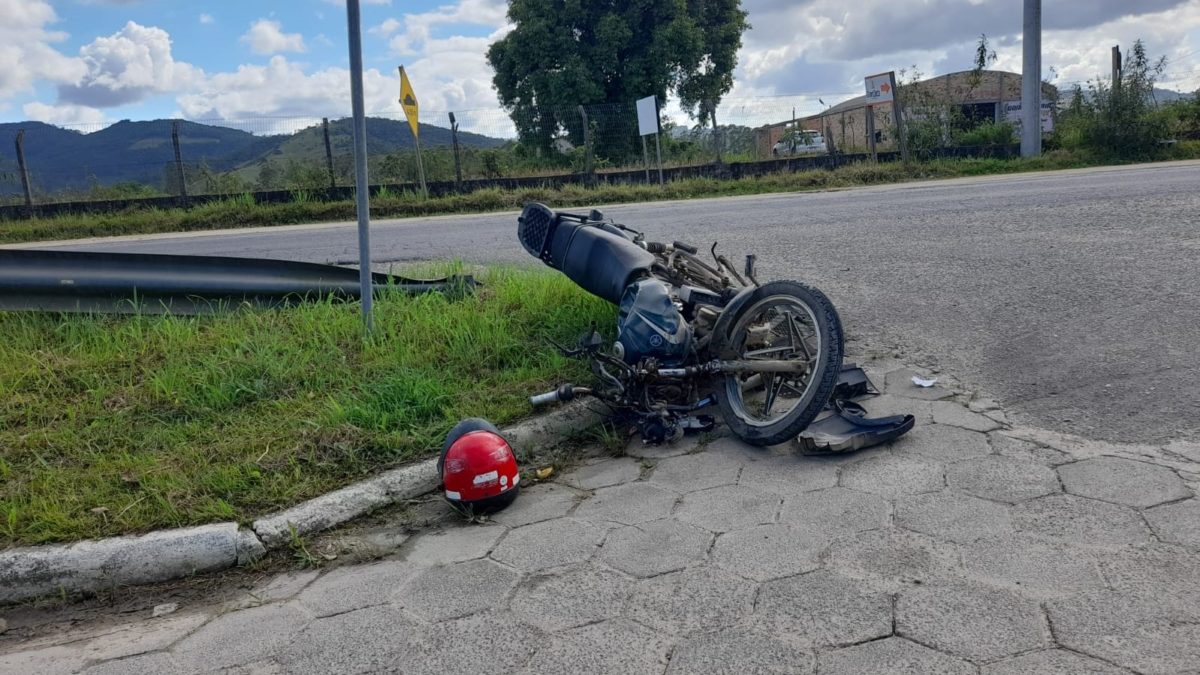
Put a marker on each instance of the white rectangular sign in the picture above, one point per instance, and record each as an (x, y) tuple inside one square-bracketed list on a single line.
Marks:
[(880, 88), (647, 111), (1012, 115)]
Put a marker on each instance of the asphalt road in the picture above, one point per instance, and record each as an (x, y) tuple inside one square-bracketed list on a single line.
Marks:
[(1071, 297)]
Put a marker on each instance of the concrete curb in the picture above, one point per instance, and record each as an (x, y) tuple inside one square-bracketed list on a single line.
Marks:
[(95, 565)]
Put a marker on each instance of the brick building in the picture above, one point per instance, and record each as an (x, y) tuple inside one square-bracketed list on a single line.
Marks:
[(978, 98)]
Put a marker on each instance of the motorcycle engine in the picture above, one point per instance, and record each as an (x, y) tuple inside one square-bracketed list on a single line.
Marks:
[(649, 325)]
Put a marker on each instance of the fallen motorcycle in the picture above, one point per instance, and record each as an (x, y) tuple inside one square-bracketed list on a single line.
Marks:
[(690, 333)]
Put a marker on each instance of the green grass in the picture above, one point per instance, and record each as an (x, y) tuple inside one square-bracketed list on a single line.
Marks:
[(243, 212), (112, 425)]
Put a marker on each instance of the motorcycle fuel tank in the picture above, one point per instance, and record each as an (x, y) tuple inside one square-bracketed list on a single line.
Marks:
[(648, 324)]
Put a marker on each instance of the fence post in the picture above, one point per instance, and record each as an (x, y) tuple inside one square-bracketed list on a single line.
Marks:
[(457, 158), (898, 113), (178, 159), (589, 174), (328, 154), (871, 133), (24, 172), (829, 144)]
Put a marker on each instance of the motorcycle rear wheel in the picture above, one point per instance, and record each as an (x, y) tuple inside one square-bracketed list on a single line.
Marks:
[(782, 320)]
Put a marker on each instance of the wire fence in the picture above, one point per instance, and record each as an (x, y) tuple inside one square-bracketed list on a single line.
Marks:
[(43, 164), (130, 159)]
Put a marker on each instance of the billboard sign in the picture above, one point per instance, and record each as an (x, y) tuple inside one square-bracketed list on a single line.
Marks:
[(1012, 115), (881, 88)]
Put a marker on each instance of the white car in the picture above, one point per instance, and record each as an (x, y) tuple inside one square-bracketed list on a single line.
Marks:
[(800, 143)]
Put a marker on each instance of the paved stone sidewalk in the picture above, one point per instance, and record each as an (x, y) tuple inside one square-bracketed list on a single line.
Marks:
[(967, 547)]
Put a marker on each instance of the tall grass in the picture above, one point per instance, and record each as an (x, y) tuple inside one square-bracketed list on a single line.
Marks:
[(112, 425)]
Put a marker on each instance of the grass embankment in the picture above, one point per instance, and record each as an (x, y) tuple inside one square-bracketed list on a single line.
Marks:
[(243, 212), (112, 425)]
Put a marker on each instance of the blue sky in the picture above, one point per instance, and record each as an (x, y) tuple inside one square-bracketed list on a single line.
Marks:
[(92, 62)]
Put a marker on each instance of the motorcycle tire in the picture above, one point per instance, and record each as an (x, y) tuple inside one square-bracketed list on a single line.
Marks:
[(826, 363)]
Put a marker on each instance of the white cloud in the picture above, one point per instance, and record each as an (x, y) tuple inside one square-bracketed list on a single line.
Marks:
[(819, 46), (389, 26), (282, 88), (26, 52), (811, 48), (126, 67), (63, 114), (267, 37), (206, 19), (418, 28)]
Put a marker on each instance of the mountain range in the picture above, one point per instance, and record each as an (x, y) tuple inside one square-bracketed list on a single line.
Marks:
[(140, 152)]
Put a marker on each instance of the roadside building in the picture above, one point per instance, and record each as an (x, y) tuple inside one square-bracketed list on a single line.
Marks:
[(990, 95)]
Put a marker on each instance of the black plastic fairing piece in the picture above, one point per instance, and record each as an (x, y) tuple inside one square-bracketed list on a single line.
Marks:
[(848, 428), (852, 383)]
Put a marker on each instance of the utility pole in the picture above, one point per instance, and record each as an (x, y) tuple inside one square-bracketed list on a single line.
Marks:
[(1031, 81), (362, 186), (1116, 67)]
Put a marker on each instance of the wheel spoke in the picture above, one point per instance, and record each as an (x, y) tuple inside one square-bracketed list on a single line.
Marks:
[(774, 385), (759, 353), (797, 336)]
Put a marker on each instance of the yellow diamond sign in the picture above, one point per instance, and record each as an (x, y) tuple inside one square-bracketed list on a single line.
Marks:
[(408, 101)]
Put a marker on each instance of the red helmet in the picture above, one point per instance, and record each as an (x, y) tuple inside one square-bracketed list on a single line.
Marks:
[(478, 468)]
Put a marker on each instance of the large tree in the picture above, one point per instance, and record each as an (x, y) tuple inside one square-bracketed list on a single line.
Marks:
[(566, 53)]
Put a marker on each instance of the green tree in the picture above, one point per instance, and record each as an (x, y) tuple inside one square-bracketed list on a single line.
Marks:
[(1187, 117), (567, 53), (269, 176), (1119, 119)]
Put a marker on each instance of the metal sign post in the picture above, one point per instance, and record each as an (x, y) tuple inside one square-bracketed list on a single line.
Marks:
[(361, 182), (646, 160), (648, 123), (658, 151)]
